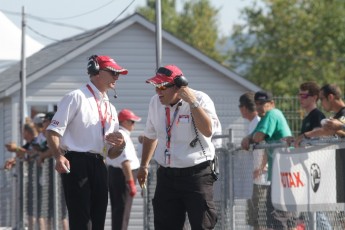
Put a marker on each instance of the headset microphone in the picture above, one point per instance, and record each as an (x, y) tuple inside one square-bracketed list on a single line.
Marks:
[(115, 95)]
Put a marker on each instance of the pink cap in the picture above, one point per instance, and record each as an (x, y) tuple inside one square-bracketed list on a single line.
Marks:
[(106, 62), (165, 75), (127, 114)]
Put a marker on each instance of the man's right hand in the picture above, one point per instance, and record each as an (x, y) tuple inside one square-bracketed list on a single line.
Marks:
[(245, 143), (333, 124), (10, 163), (62, 164), (142, 176)]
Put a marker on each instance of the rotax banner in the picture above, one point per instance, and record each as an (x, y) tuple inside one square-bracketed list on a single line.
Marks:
[(309, 178)]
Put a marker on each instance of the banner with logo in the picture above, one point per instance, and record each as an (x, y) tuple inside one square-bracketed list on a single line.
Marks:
[(309, 178)]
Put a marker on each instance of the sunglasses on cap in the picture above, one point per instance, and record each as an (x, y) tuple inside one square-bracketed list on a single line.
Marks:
[(113, 73), (164, 87), (304, 95), (165, 71)]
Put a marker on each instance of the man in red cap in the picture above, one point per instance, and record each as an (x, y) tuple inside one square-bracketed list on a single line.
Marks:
[(178, 132), (82, 132), (121, 172)]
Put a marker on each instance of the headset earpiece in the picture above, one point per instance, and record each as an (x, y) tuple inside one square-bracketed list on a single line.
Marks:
[(92, 65), (180, 81)]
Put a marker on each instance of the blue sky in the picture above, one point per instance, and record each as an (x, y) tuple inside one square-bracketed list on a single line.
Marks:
[(91, 14)]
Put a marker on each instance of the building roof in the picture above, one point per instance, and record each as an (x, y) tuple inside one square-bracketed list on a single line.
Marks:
[(59, 53)]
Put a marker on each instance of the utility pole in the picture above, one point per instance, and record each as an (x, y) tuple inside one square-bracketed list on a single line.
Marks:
[(20, 177), (158, 34)]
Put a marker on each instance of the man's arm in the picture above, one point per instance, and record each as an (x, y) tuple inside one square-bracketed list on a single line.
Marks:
[(118, 143), (53, 140), (127, 171), (318, 132), (335, 125), (259, 137), (201, 118), (13, 147), (149, 146)]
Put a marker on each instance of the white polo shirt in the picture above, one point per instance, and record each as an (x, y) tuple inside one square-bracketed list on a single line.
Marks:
[(128, 154), (78, 122), (182, 132)]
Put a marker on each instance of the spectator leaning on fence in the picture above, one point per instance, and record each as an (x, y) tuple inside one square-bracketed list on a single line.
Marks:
[(248, 111), (308, 96), (331, 101), (271, 128), (26, 152)]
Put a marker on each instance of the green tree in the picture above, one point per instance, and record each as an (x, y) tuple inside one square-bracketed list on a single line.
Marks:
[(284, 43), (195, 25)]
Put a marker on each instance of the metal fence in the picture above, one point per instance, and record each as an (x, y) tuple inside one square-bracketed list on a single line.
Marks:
[(42, 194), (233, 191), (42, 198)]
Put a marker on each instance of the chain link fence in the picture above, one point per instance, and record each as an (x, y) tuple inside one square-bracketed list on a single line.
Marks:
[(43, 202), (233, 193), (42, 197)]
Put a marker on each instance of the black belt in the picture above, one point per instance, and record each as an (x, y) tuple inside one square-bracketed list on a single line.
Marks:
[(86, 154), (185, 171)]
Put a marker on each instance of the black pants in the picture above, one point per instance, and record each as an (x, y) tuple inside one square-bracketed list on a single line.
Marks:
[(121, 201), (86, 191), (181, 191)]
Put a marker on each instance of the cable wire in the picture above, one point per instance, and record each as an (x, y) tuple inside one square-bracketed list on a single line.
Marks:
[(86, 35), (83, 14)]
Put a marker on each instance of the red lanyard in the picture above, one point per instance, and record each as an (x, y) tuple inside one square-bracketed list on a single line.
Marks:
[(101, 117), (169, 125)]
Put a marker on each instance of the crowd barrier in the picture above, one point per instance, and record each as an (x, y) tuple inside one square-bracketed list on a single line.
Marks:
[(296, 175), (31, 196), (308, 181)]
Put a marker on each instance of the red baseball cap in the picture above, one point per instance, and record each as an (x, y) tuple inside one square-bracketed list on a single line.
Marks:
[(165, 75), (127, 114), (106, 62)]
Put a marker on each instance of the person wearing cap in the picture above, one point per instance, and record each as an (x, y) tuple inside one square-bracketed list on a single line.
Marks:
[(82, 132), (271, 128), (178, 132), (121, 172)]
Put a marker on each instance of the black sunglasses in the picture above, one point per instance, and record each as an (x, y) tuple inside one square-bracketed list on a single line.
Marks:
[(165, 71)]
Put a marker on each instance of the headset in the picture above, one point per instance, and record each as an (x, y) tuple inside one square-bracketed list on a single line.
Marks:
[(93, 68), (92, 65), (180, 81)]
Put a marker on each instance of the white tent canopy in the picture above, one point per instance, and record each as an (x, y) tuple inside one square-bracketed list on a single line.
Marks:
[(10, 42)]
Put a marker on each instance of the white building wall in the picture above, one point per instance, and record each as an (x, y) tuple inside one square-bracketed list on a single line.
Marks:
[(134, 49)]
